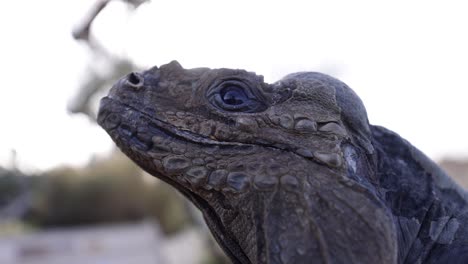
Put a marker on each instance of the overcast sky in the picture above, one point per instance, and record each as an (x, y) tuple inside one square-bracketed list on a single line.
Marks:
[(408, 61)]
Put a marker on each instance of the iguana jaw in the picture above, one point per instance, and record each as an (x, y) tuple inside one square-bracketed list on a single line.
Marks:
[(142, 152)]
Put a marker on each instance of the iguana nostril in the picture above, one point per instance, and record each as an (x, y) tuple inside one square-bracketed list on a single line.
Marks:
[(135, 80)]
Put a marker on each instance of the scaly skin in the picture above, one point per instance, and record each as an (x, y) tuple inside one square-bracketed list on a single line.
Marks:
[(289, 172)]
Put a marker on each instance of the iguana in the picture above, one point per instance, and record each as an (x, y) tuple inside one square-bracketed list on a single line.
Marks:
[(289, 172)]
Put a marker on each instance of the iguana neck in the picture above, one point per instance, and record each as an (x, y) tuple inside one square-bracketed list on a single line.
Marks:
[(429, 208)]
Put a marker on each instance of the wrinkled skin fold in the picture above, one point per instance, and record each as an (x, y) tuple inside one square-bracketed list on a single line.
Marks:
[(289, 172)]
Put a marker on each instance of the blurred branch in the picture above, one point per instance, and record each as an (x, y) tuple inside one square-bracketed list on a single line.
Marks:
[(104, 67), (82, 31)]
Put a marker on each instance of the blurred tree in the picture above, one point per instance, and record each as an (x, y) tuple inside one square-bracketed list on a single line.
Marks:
[(14, 192), (108, 190)]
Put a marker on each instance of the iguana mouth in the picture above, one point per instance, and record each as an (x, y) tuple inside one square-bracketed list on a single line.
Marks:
[(159, 125)]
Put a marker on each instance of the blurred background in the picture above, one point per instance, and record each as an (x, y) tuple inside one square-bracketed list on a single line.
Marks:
[(67, 195)]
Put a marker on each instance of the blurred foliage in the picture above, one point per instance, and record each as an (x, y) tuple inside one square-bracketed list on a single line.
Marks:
[(14, 194), (10, 186), (108, 190)]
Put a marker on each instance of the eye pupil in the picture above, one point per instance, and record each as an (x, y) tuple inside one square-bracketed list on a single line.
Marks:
[(233, 96)]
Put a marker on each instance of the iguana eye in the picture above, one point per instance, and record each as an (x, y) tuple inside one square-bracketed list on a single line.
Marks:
[(235, 96)]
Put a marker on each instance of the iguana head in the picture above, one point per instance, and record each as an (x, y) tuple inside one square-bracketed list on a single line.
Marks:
[(282, 172)]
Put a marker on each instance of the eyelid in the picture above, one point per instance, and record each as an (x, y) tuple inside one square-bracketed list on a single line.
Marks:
[(219, 86), (255, 99)]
